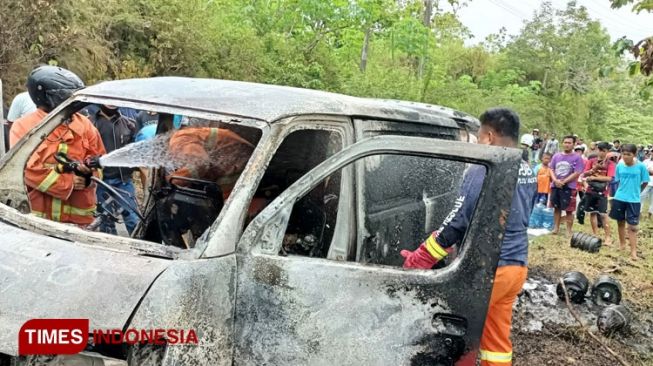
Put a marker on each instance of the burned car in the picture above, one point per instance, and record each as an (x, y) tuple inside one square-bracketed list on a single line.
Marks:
[(295, 260)]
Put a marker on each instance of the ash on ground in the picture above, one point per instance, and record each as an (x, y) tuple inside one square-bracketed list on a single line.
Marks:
[(538, 311)]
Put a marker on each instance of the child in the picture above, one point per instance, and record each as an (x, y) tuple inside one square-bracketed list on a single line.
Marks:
[(543, 172), (581, 180), (599, 172), (632, 177)]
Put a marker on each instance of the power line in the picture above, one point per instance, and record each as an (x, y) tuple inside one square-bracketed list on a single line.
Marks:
[(517, 10), (508, 9), (615, 20)]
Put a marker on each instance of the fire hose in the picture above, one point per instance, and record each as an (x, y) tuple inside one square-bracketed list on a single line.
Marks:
[(85, 169)]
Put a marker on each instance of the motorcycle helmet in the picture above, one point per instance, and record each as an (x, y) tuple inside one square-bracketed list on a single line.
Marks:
[(49, 86)]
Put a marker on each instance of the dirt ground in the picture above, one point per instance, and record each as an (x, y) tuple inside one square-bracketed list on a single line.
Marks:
[(565, 346), (550, 257)]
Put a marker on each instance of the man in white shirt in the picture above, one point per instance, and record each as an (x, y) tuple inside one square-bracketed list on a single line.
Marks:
[(551, 146), (20, 106)]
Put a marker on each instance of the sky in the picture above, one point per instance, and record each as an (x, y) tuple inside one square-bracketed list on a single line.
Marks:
[(484, 17)]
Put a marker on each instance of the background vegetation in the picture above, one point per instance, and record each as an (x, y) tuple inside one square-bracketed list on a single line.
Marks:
[(561, 73)]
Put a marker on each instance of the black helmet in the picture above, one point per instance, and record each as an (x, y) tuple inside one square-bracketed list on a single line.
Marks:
[(49, 86)]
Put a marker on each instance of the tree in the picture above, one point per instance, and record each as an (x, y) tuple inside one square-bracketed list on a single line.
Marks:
[(641, 50), (563, 49), (553, 73), (639, 5)]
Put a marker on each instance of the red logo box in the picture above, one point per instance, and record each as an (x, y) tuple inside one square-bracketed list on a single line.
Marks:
[(53, 336)]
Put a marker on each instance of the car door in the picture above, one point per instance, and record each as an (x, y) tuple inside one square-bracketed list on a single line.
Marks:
[(298, 310)]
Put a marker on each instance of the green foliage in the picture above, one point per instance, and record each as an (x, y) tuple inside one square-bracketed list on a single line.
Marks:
[(557, 73), (638, 5), (622, 45), (411, 37), (642, 50)]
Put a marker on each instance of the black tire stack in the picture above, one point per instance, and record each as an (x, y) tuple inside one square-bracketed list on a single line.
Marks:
[(586, 242)]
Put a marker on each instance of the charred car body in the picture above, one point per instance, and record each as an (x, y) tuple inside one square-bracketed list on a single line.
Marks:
[(315, 277)]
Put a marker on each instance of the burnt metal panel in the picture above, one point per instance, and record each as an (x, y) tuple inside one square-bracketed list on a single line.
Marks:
[(44, 277), (267, 102), (73, 233), (196, 295), (305, 311)]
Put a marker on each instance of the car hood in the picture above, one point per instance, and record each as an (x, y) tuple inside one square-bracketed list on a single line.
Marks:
[(46, 277)]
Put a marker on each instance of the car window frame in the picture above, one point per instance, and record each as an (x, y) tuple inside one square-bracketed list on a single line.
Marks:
[(14, 189), (226, 232), (257, 237)]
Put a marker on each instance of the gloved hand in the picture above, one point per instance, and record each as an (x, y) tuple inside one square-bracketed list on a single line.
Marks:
[(422, 258), (419, 258)]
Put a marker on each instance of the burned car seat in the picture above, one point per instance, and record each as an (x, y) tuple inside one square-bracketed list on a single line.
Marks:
[(312, 222), (185, 208)]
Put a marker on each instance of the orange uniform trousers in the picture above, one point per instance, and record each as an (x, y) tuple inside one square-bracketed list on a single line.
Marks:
[(496, 347)]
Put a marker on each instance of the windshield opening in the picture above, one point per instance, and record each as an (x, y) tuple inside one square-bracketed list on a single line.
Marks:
[(143, 173)]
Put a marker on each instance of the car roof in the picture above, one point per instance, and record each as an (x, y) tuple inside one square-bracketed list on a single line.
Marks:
[(269, 103)]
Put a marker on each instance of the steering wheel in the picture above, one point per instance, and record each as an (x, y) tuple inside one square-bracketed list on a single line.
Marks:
[(118, 197)]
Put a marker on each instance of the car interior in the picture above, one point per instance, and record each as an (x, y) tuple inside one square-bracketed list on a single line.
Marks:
[(176, 209), (179, 208), (312, 221)]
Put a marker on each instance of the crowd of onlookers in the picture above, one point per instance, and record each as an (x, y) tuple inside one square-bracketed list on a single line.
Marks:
[(603, 180)]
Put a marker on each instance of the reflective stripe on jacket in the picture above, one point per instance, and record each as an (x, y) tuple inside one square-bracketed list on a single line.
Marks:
[(51, 194)]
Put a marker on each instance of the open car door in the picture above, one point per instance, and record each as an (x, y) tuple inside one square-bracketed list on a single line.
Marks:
[(343, 310)]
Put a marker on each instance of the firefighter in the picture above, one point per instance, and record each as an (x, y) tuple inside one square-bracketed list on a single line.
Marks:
[(209, 153), (53, 192), (214, 156), (499, 127)]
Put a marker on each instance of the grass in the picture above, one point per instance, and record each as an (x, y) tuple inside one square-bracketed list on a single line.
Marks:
[(554, 255)]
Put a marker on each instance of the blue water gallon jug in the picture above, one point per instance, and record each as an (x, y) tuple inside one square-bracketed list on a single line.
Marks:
[(535, 220), (532, 221), (547, 218), (540, 213)]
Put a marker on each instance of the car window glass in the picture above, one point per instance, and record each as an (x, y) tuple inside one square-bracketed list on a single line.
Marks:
[(376, 127), (176, 171), (404, 199)]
